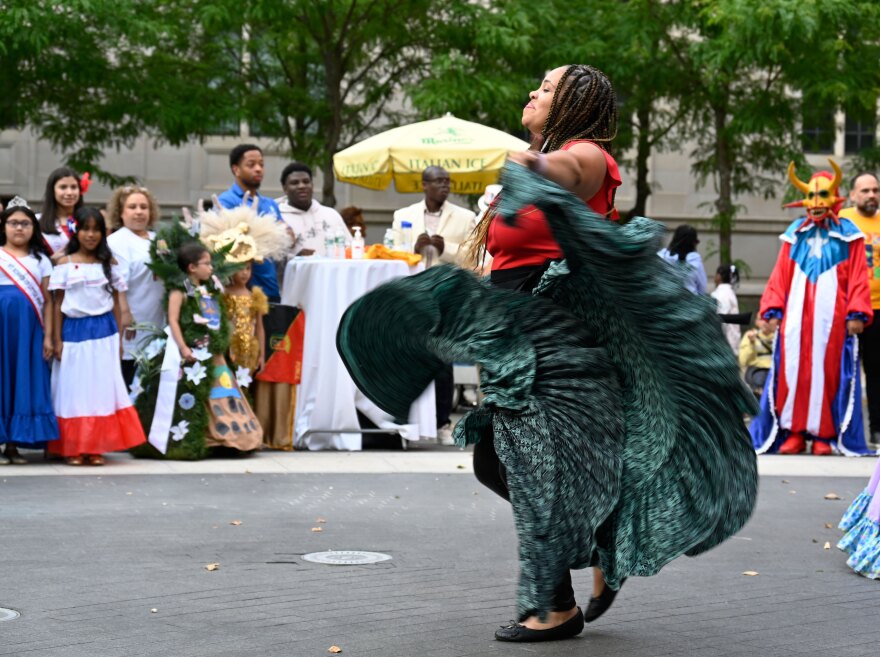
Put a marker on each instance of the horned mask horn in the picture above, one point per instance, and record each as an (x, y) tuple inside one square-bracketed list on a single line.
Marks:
[(800, 184)]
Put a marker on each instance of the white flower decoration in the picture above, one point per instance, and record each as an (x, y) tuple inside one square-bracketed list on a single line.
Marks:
[(201, 354), (196, 373), (136, 389), (154, 348), (243, 376), (179, 432), (198, 319)]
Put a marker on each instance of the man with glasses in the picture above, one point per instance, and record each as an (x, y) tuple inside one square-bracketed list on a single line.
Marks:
[(439, 228)]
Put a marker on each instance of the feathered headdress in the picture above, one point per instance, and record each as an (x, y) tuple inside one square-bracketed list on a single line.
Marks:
[(252, 236)]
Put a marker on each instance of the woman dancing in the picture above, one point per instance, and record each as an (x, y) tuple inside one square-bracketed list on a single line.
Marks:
[(619, 447)]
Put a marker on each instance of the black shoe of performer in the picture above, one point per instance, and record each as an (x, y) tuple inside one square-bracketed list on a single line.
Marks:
[(600, 605), (520, 633)]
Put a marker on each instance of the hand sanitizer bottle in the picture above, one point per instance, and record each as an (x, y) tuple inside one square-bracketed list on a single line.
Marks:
[(357, 245)]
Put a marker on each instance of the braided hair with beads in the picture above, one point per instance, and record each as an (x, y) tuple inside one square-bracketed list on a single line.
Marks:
[(583, 107)]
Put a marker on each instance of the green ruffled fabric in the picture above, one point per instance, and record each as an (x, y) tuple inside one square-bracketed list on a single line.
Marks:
[(614, 400)]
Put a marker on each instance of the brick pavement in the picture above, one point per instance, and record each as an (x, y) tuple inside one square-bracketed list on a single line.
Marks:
[(86, 558)]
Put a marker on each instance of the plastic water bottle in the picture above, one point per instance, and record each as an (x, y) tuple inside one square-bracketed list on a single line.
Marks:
[(406, 236), (340, 245), (357, 245), (329, 246), (388, 240)]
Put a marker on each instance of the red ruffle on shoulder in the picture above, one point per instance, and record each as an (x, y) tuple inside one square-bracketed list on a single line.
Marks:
[(530, 241)]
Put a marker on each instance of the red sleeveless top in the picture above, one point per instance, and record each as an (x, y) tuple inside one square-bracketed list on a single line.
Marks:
[(530, 241)]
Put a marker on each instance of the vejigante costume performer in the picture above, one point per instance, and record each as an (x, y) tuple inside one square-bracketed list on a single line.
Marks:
[(819, 291), (624, 448)]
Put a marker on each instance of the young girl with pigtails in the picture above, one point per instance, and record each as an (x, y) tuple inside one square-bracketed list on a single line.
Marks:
[(91, 401)]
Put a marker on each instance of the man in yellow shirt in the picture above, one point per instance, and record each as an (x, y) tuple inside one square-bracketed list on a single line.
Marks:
[(865, 197)]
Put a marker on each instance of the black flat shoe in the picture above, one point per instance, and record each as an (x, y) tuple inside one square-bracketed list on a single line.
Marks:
[(521, 634), (600, 605)]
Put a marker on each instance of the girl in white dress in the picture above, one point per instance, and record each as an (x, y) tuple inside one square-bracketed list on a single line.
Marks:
[(131, 213), (91, 402), (726, 280), (63, 197)]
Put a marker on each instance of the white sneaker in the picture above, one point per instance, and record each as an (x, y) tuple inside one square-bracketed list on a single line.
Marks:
[(444, 435)]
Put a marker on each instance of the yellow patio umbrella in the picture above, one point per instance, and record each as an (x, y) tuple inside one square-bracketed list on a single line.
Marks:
[(472, 154)]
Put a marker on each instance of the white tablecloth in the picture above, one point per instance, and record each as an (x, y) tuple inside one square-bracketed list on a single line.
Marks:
[(327, 399)]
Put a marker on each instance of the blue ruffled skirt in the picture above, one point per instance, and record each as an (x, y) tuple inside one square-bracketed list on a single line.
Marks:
[(861, 522), (26, 414)]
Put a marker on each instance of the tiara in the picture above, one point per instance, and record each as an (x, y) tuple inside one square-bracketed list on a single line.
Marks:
[(18, 202)]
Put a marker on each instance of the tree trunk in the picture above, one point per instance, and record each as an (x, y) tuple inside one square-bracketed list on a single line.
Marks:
[(724, 204), (328, 189), (643, 152)]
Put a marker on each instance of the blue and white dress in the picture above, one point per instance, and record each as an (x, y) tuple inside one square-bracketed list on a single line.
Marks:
[(26, 415), (862, 525)]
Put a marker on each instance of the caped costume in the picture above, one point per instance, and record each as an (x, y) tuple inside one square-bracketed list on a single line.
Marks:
[(817, 285), (624, 449)]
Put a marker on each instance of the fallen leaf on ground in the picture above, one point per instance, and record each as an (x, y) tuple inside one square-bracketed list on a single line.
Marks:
[(460, 467), (832, 496), (212, 566), (792, 492), (235, 522), (827, 545), (750, 573), (317, 529), (320, 521), (129, 493), (828, 525), (786, 481), (814, 540), (334, 649), (154, 611)]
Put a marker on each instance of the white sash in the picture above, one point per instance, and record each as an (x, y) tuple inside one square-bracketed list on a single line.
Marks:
[(160, 427), (24, 280)]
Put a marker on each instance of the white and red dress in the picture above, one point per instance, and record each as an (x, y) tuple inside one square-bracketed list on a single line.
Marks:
[(95, 414)]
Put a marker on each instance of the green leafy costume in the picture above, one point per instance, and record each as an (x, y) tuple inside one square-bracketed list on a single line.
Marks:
[(189, 403), (614, 400)]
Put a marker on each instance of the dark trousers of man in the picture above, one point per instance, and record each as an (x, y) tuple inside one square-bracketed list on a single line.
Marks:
[(444, 387), (869, 350), (491, 473)]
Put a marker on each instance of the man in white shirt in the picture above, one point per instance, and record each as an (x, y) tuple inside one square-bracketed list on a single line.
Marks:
[(439, 227), (310, 221)]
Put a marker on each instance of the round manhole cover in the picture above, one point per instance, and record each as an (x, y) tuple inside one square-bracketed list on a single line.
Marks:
[(8, 614), (346, 557)]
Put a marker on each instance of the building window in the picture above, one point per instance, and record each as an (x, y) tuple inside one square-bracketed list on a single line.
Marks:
[(860, 130), (817, 135)]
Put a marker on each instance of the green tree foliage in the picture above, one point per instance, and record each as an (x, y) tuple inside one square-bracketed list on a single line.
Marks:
[(87, 75), (749, 64)]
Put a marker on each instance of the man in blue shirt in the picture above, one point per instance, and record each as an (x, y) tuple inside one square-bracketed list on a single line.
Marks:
[(246, 162)]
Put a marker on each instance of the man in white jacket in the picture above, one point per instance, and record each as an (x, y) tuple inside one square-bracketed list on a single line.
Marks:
[(310, 221), (439, 227)]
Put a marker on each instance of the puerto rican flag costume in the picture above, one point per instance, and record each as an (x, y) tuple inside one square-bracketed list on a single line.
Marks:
[(817, 284)]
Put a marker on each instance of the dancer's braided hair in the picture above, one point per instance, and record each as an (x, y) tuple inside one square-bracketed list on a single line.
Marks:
[(583, 107)]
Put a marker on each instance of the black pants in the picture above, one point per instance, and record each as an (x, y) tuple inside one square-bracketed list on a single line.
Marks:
[(128, 369), (491, 474), (444, 388), (869, 349)]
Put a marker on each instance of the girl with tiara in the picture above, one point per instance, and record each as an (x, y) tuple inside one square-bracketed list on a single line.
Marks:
[(94, 412), (26, 415)]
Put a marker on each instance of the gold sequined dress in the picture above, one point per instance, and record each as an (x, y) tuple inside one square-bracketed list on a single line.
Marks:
[(244, 311)]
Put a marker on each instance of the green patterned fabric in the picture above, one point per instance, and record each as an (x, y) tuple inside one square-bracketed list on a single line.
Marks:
[(614, 400)]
